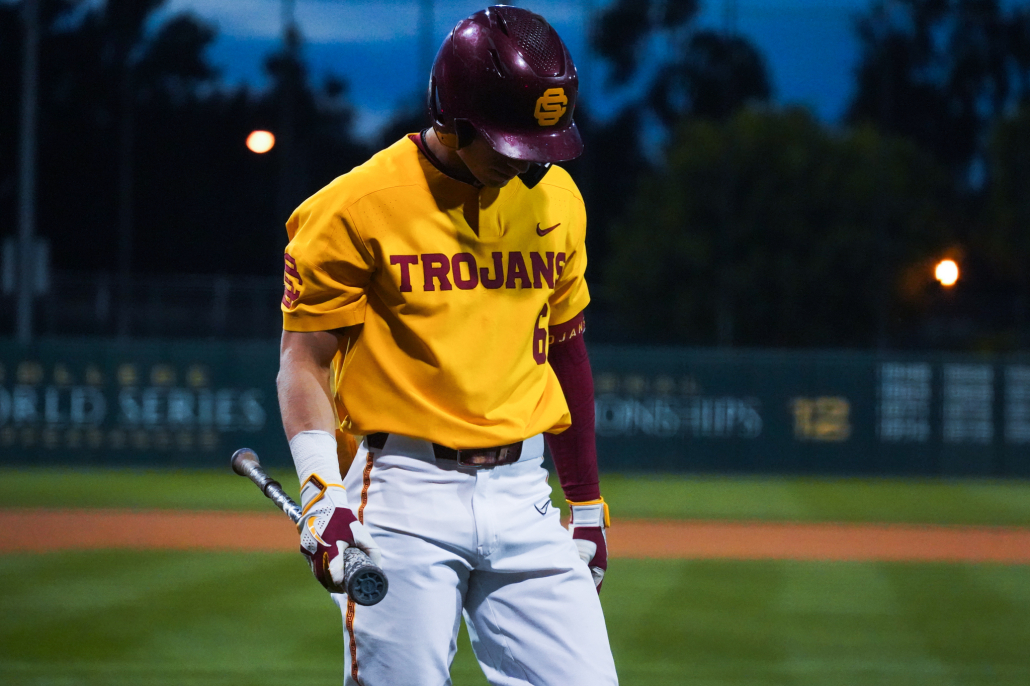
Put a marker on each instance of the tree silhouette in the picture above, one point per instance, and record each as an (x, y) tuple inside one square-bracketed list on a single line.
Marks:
[(654, 47), (411, 116), (1003, 233), (201, 202), (756, 233), (665, 69), (941, 72)]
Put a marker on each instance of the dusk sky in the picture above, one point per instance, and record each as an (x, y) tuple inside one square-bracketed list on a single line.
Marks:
[(810, 45)]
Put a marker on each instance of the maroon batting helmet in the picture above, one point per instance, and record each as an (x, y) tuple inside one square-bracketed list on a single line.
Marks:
[(505, 74)]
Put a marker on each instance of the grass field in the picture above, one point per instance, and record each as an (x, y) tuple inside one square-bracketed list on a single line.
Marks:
[(200, 619), (664, 497)]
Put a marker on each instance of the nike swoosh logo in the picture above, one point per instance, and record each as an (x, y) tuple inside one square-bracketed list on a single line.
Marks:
[(547, 503), (544, 232)]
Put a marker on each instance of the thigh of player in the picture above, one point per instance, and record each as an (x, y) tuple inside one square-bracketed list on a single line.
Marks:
[(543, 629), (409, 638), (532, 608)]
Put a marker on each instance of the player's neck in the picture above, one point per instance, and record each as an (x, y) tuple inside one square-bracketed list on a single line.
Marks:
[(448, 158)]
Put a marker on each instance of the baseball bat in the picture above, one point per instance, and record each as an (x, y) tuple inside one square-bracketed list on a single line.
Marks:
[(366, 583)]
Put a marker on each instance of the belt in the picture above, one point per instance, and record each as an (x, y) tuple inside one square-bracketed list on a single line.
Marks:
[(476, 458)]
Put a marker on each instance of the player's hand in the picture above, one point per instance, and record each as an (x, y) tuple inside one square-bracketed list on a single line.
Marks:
[(587, 524), (328, 528)]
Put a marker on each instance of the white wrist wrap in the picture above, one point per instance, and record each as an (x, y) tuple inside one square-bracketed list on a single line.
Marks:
[(314, 452), (588, 515)]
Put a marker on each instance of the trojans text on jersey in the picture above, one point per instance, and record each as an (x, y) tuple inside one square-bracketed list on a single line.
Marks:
[(462, 271)]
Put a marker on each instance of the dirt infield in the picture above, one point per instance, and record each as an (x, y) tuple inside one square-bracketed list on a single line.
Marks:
[(29, 530)]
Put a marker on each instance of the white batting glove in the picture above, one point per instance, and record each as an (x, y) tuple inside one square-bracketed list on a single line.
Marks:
[(327, 529), (328, 526)]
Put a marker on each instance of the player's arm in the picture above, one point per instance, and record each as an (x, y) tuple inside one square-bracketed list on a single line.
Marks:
[(574, 451), (326, 275), (306, 403), (305, 368)]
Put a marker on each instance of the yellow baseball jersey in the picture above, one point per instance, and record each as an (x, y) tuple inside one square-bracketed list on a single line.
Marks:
[(455, 288)]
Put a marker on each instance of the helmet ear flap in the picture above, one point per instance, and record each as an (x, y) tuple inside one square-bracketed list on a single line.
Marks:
[(466, 133), (435, 106), (459, 133), (443, 131)]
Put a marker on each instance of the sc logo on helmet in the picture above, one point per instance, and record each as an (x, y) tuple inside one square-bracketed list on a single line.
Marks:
[(550, 106)]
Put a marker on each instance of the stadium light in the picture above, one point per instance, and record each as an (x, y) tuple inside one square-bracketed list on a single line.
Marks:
[(946, 272), (260, 141)]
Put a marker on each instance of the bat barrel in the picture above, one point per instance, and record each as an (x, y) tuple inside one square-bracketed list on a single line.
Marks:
[(276, 495), (245, 463)]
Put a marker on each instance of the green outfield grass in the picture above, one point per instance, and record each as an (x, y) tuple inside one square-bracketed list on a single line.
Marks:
[(979, 502), (217, 619), (123, 618)]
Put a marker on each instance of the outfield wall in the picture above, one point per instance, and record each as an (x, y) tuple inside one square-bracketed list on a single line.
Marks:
[(813, 412), (192, 403)]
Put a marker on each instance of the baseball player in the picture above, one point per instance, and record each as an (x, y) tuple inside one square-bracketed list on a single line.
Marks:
[(434, 310)]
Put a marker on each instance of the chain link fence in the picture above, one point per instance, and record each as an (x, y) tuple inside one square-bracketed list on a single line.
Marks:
[(158, 306)]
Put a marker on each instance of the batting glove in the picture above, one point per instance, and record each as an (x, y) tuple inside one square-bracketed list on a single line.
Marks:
[(327, 528), (587, 524)]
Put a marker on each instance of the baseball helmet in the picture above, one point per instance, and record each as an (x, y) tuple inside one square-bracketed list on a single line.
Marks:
[(504, 74)]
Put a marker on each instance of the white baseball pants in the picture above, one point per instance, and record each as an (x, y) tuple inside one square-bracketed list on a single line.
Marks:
[(485, 543)]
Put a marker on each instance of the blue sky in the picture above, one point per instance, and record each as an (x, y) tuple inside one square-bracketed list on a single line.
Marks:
[(810, 45)]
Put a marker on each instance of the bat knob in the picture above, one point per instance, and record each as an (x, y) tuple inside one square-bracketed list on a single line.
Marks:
[(240, 458), (365, 583)]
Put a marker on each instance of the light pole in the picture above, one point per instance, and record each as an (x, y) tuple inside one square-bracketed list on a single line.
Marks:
[(126, 144), (287, 17), (27, 187), (288, 88), (426, 19), (729, 16)]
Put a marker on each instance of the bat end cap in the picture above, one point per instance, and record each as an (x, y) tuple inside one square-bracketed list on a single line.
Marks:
[(368, 587), (242, 456)]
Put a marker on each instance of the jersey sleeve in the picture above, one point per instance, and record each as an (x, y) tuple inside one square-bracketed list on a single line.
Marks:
[(327, 268), (571, 295)]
